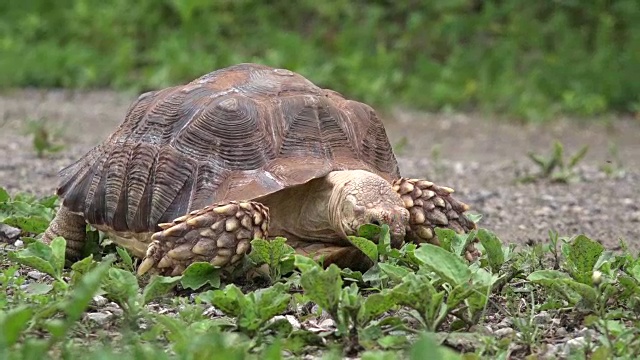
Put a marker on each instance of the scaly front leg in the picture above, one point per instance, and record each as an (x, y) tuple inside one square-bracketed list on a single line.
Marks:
[(432, 206), (219, 234)]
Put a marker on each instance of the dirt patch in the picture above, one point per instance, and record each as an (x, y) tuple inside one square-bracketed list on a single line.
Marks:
[(478, 156)]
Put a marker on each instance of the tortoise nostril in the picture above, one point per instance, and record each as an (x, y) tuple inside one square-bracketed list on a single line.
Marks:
[(375, 222)]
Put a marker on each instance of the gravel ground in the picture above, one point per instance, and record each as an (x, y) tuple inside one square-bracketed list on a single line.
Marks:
[(480, 157)]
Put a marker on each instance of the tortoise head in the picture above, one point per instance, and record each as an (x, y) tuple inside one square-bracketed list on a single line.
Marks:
[(360, 197)]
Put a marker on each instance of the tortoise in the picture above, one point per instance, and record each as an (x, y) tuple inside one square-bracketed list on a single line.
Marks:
[(196, 171)]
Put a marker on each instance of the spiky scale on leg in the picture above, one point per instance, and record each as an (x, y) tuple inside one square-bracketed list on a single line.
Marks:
[(218, 234), (433, 206)]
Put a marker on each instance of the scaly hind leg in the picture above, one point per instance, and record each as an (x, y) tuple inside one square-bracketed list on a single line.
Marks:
[(70, 226), (433, 206), (219, 234)]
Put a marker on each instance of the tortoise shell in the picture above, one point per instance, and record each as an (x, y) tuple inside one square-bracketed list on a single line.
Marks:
[(235, 134)]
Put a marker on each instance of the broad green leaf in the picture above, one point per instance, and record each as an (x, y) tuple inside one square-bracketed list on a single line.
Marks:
[(229, 300), (12, 323), (448, 266), (121, 286), (305, 263), (583, 255), (375, 305), (418, 293), (200, 273), (369, 231), (158, 286), (259, 251), (493, 247), (58, 246), (561, 281), (475, 218), (4, 195), (270, 252), (37, 255), (32, 224), (367, 246), (48, 201), (446, 237), (81, 267), (395, 272), (323, 286), (454, 242), (635, 271), (271, 301), (384, 244), (587, 292)]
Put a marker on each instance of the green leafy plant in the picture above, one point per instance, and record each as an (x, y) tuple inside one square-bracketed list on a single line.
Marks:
[(252, 310), (48, 259), (276, 254), (346, 305), (411, 301), (26, 212), (122, 287), (43, 139), (583, 257), (556, 167)]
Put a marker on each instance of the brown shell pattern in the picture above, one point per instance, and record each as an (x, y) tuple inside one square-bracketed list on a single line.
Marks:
[(234, 134)]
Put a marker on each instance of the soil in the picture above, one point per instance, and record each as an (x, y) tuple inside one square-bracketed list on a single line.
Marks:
[(479, 156)]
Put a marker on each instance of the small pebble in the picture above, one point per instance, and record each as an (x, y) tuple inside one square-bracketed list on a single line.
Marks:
[(561, 332), (290, 318), (8, 233), (99, 318), (573, 344), (327, 323), (100, 300), (37, 275), (504, 332), (212, 311), (542, 318)]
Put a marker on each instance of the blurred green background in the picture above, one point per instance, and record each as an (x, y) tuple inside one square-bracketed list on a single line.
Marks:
[(530, 60)]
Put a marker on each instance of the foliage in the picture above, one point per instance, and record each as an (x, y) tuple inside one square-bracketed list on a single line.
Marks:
[(556, 167), (26, 212), (275, 254), (43, 139), (528, 59), (410, 301)]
